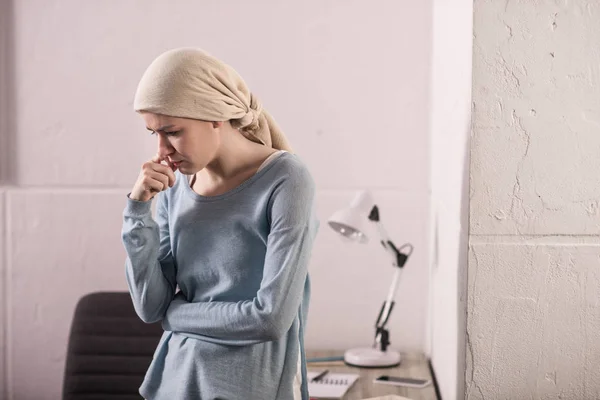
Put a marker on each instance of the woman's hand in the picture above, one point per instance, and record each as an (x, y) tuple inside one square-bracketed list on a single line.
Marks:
[(154, 178)]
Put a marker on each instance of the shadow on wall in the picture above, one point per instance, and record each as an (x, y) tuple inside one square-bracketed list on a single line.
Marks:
[(450, 245), (462, 278), (8, 139)]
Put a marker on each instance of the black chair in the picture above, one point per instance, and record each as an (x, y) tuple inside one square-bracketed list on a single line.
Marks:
[(109, 349)]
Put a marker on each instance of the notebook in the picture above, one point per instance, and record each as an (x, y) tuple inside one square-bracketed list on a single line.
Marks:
[(331, 386)]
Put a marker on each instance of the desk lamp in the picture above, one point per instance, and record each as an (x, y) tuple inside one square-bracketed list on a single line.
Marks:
[(353, 223)]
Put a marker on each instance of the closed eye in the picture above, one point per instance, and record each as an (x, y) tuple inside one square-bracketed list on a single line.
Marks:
[(174, 133)]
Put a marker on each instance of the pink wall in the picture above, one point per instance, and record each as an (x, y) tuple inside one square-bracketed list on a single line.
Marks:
[(4, 158), (327, 70), (3, 304)]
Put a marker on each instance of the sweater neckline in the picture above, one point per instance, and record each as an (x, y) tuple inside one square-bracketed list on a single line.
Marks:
[(198, 197)]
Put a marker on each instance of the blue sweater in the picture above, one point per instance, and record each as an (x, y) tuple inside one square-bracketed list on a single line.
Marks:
[(235, 328)]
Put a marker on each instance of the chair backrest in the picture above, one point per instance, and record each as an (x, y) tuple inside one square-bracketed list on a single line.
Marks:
[(109, 349)]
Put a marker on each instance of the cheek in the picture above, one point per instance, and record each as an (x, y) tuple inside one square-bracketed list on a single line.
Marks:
[(212, 142), (206, 145), (199, 146), (191, 148)]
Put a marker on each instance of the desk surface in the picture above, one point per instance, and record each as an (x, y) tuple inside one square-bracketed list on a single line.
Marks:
[(412, 366)]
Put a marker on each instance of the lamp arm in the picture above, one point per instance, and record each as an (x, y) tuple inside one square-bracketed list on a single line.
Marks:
[(398, 260), (388, 305)]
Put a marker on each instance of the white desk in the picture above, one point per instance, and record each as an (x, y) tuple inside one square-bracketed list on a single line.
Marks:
[(412, 366)]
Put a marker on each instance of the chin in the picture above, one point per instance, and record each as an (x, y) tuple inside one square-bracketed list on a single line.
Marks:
[(187, 170)]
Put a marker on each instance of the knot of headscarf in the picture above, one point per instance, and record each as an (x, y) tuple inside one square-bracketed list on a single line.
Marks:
[(249, 124)]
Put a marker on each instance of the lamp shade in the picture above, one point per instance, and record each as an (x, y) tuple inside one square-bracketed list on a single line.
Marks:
[(353, 222)]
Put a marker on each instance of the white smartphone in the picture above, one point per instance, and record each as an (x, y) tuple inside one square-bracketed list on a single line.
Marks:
[(400, 381)]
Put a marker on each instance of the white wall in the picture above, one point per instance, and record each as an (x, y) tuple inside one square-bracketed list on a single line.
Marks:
[(3, 325), (534, 280), (450, 132), (347, 80)]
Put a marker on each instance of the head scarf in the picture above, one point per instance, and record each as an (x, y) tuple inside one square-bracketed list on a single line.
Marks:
[(189, 83)]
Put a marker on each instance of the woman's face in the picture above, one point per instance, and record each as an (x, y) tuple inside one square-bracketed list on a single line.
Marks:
[(188, 144)]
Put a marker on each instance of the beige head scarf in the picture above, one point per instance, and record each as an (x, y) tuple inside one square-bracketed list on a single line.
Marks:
[(189, 83)]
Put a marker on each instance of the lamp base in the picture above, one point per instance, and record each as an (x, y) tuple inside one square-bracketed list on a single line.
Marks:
[(368, 357)]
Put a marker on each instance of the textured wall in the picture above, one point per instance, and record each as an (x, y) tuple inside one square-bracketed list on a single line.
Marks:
[(354, 103), (534, 282)]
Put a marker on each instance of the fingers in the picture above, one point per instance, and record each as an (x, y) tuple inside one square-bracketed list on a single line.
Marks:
[(156, 181), (152, 182), (154, 165), (170, 164), (154, 178), (153, 186), (169, 170)]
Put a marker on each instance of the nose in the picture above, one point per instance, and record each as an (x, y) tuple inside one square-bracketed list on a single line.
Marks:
[(164, 146)]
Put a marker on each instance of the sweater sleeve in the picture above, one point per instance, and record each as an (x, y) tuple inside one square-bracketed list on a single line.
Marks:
[(150, 268), (270, 314)]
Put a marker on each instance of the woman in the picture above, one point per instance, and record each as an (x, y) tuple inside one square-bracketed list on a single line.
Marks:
[(234, 230)]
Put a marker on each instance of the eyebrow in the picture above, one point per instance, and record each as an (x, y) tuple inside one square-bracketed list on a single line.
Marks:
[(161, 129)]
